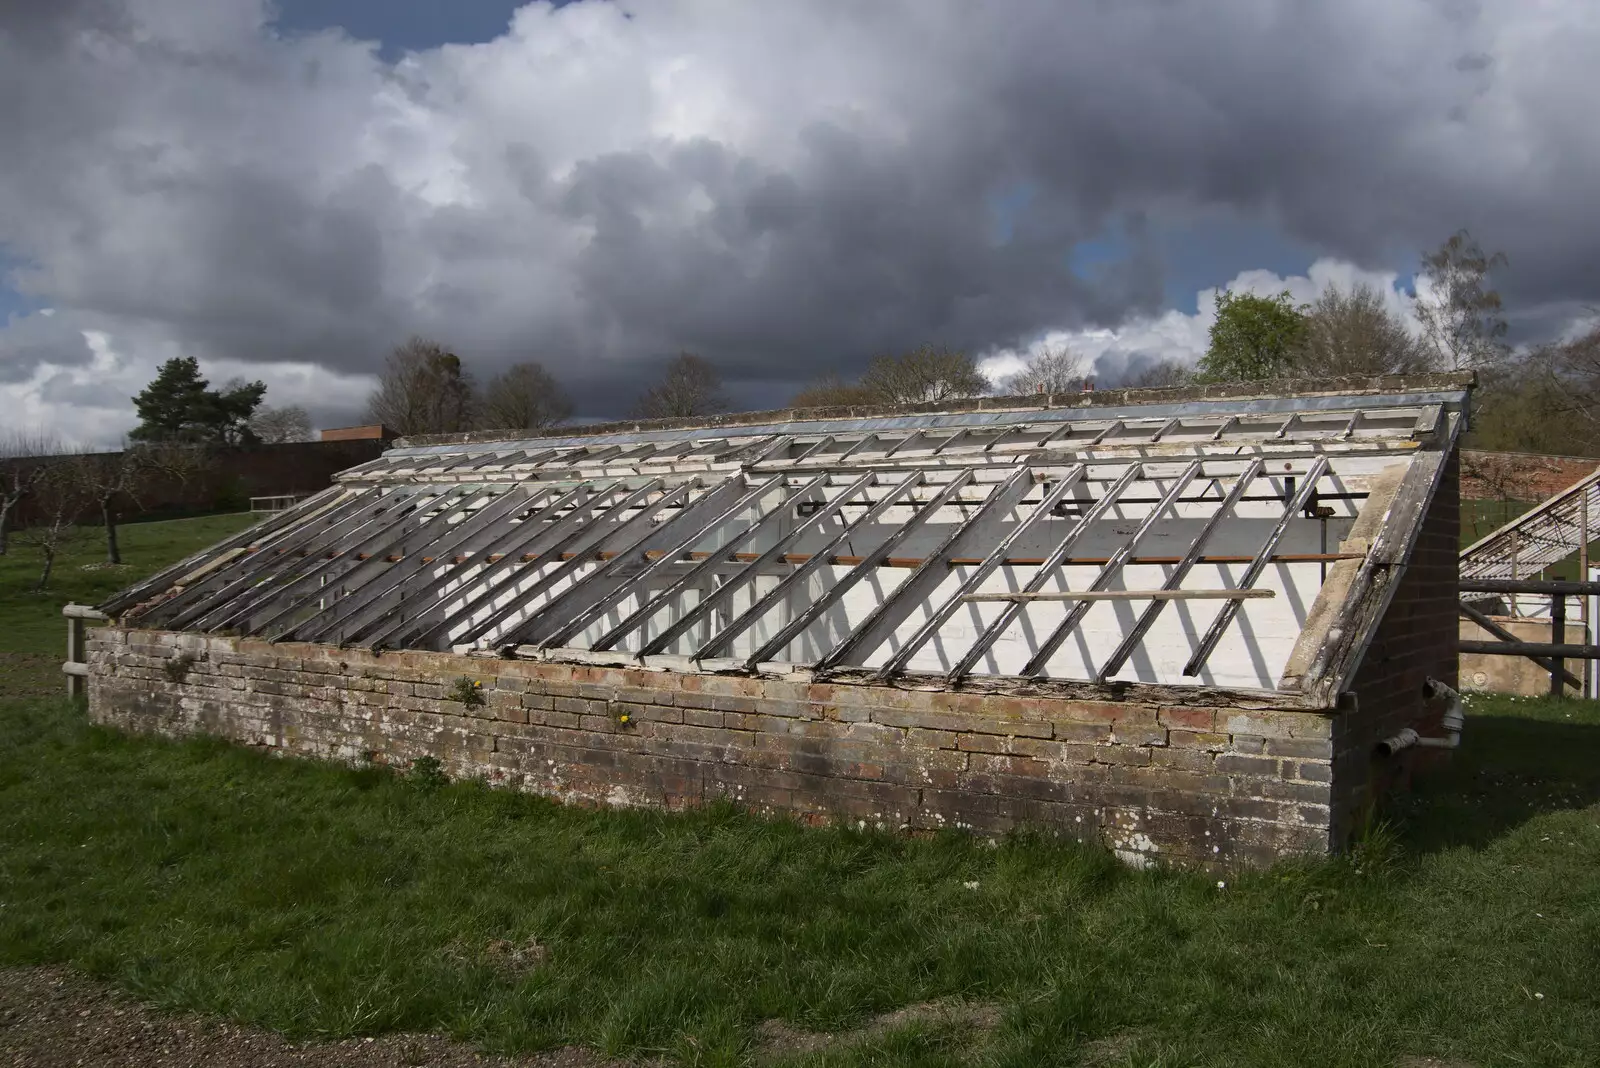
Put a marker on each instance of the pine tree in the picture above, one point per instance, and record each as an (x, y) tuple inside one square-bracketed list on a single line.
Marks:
[(180, 406)]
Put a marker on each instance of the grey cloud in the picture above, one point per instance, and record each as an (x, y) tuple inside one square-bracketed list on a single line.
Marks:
[(203, 185), (30, 340)]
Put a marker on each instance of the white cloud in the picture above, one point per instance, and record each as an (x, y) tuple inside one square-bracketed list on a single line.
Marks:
[(1111, 354), (777, 186), (90, 405)]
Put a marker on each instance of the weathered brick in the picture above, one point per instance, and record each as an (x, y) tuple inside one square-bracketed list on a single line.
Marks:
[(1196, 740), (931, 739), (1243, 764), (1184, 717), (1308, 748), (1210, 785), (703, 717), (1308, 771)]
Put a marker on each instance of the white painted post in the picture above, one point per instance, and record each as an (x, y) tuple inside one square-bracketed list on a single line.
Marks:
[(76, 667), (76, 684)]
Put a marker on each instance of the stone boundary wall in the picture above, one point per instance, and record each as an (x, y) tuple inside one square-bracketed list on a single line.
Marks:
[(1211, 786)]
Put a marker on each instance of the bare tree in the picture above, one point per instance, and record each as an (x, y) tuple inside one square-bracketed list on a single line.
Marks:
[(423, 390), (24, 458), (59, 501), (524, 397), (1352, 333), (1053, 370), (274, 426), (1460, 315), (691, 387), (1569, 373), (831, 391), (1163, 374), (924, 375), (110, 481)]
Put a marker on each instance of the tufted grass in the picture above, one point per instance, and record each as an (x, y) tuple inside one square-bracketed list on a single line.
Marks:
[(321, 900)]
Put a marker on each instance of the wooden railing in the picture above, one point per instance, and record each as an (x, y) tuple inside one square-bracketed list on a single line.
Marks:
[(76, 667), (1551, 655)]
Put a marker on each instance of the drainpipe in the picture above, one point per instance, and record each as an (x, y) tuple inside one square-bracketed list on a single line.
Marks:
[(1454, 720)]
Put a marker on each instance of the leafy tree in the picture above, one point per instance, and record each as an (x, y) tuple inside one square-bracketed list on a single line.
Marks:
[(1054, 370), (180, 406), (1533, 412), (831, 391), (927, 374), (278, 425), (1353, 333), (1459, 312), (691, 387), (1252, 338), (424, 390), (525, 397)]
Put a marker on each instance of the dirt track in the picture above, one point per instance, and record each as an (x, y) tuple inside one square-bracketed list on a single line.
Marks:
[(51, 1018)]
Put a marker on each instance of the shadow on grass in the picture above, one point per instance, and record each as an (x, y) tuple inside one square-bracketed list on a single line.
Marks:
[(1518, 760)]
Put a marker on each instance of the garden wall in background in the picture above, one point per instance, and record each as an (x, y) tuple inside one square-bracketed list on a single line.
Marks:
[(1519, 476), (234, 475)]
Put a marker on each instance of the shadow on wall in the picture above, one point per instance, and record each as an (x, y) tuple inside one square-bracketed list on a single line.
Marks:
[(1519, 758)]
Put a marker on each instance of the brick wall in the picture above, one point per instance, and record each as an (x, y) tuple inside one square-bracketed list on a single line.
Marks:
[(1415, 640), (234, 475), (1518, 476), (1211, 786)]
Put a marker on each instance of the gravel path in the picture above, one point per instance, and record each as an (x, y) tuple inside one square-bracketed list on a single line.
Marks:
[(52, 1018)]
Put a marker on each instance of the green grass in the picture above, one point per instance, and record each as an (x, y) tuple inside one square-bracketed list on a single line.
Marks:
[(32, 632), (322, 900), (1480, 518)]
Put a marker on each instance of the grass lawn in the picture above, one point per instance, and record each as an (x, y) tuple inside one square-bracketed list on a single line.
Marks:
[(33, 636), (321, 900)]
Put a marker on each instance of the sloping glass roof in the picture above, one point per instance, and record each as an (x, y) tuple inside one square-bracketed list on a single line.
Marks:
[(1176, 544)]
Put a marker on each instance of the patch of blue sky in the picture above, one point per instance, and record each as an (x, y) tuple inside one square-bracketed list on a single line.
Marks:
[(1207, 253), (13, 303), (1006, 206), (402, 25)]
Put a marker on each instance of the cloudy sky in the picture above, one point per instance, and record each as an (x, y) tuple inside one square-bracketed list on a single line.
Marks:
[(287, 190)]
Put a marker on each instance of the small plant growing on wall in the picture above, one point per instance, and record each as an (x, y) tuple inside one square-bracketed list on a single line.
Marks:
[(467, 691), (428, 773), (177, 669)]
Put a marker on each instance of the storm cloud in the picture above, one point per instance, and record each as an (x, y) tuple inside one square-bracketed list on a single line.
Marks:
[(784, 188)]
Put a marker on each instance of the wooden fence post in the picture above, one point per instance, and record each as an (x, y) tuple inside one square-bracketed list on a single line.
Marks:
[(77, 685), (76, 667)]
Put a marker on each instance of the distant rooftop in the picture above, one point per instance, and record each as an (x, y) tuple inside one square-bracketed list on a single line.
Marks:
[(359, 433)]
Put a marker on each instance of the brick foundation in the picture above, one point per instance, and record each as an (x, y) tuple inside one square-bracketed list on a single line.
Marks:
[(1415, 640), (1208, 786)]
